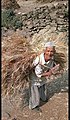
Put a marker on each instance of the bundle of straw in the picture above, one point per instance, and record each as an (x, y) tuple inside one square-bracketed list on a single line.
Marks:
[(17, 58)]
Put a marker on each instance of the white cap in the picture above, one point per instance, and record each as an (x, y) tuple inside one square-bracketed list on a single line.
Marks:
[(49, 44)]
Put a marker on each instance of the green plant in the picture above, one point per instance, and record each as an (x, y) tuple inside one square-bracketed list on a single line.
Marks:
[(11, 20)]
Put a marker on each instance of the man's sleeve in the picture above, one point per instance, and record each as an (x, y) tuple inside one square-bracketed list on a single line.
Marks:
[(36, 61), (38, 70)]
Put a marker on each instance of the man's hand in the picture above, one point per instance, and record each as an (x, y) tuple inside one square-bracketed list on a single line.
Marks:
[(55, 69), (47, 73), (52, 71)]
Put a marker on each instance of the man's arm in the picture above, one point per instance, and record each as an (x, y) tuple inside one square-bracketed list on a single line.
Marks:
[(52, 71), (36, 61)]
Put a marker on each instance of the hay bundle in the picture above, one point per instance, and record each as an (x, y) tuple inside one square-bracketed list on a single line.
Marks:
[(61, 54), (17, 58), (61, 44)]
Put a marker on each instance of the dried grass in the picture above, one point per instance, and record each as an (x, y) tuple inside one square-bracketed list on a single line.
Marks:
[(17, 57)]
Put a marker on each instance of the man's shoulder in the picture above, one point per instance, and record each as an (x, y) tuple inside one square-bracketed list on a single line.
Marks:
[(42, 55)]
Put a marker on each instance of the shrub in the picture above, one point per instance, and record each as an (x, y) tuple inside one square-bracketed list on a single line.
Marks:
[(11, 20)]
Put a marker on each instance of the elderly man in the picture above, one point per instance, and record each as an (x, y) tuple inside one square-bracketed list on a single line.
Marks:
[(43, 64)]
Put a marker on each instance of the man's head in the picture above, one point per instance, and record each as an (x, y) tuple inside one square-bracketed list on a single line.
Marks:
[(49, 51)]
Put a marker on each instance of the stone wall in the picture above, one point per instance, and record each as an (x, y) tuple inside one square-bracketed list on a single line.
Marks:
[(53, 15)]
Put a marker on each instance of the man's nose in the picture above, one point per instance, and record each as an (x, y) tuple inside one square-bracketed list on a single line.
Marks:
[(49, 53)]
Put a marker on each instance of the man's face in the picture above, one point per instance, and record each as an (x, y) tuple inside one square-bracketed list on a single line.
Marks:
[(49, 52)]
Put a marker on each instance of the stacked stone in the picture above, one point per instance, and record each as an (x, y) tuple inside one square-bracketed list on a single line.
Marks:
[(53, 15)]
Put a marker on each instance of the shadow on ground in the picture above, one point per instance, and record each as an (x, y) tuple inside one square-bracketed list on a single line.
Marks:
[(57, 86)]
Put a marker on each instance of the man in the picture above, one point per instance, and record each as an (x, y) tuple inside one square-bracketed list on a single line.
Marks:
[(43, 68)]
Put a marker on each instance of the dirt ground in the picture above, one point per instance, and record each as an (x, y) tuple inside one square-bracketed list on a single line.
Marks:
[(55, 109), (57, 106)]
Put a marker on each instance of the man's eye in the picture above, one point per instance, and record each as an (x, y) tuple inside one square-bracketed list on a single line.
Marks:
[(48, 51)]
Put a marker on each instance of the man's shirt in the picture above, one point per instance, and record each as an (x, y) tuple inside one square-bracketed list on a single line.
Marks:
[(40, 66)]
